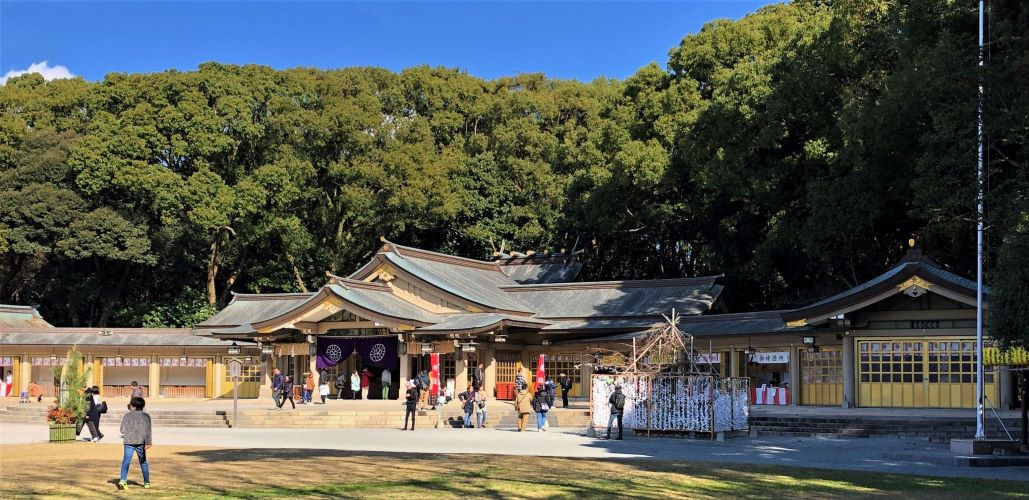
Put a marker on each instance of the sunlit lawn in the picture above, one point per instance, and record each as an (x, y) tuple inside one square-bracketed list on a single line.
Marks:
[(91, 470)]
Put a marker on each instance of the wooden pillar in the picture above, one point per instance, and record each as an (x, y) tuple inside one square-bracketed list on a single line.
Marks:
[(265, 391), (403, 374), (26, 374), (219, 376), (849, 378), (490, 369), (794, 375), (93, 378), (460, 371), (154, 377)]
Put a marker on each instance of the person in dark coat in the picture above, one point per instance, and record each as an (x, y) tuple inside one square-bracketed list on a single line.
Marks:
[(617, 402), (411, 402), (541, 405), (93, 413), (566, 387), (478, 375), (287, 393)]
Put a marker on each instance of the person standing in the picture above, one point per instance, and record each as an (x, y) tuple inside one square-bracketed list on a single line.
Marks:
[(551, 390), (480, 407), (287, 393), (566, 387), (137, 433), (387, 381), (617, 402), (411, 403), (308, 388), (520, 383), (523, 405), (137, 391), (478, 376), (467, 399), (355, 384), (541, 406), (35, 392), (366, 382), (341, 384), (323, 389), (277, 387), (423, 388)]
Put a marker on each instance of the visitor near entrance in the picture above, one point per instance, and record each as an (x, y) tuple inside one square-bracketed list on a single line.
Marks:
[(477, 377), (423, 388), (520, 383), (355, 384), (276, 387), (468, 405), (480, 408), (137, 436), (94, 408), (541, 406), (137, 391), (323, 389), (411, 403), (366, 381), (308, 388), (566, 386), (617, 402), (341, 383), (287, 393), (387, 381), (523, 405)]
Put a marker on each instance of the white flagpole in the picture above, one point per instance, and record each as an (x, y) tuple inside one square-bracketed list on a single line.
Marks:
[(980, 432)]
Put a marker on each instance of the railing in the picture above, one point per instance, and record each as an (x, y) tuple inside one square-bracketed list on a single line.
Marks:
[(184, 391)]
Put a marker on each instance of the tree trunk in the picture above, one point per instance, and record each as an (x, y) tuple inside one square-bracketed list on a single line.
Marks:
[(234, 276), (212, 271), (296, 273)]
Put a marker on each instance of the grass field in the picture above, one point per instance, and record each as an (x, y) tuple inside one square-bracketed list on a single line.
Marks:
[(91, 470)]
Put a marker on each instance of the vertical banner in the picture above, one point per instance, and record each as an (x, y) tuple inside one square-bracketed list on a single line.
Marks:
[(434, 374), (541, 373)]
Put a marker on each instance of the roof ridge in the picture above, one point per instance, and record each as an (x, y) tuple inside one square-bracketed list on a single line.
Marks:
[(597, 285), (420, 253), (271, 296), (354, 283)]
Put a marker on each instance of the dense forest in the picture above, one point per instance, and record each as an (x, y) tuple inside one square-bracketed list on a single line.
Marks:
[(795, 151)]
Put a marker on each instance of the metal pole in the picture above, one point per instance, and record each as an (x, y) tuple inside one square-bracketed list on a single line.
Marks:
[(980, 372)]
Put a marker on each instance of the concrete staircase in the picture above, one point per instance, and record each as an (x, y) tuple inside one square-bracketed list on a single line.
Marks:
[(937, 429), (305, 417), (36, 413)]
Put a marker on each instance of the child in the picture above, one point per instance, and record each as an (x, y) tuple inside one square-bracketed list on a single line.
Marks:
[(323, 389), (287, 393), (136, 431)]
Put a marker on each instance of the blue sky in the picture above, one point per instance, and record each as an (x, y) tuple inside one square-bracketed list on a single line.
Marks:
[(581, 40)]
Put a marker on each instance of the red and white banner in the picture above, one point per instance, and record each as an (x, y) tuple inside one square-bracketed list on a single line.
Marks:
[(434, 374), (541, 373), (779, 396)]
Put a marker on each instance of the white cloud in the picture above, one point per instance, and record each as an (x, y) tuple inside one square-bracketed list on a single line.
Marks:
[(48, 72)]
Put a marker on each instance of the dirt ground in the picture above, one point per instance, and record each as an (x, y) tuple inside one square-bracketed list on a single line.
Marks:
[(91, 470)]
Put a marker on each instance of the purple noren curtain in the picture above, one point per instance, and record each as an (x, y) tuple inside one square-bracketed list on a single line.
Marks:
[(378, 351)]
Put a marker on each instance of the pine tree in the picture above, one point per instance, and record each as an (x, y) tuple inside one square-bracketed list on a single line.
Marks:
[(73, 384)]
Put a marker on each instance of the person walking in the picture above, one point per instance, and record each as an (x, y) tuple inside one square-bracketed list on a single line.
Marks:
[(410, 403), (566, 387), (341, 384), (478, 375), (480, 407), (467, 399), (92, 415), (137, 391), (323, 389), (541, 407), (309, 388), (137, 435), (366, 382), (523, 405), (551, 390), (287, 393), (277, 379), (617, 402), (387, 381), (355, 384)]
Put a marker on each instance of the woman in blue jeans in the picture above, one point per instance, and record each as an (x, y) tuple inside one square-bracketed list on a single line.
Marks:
[(541, 405)]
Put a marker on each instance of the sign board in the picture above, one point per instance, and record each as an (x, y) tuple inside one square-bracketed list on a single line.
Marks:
[(235, 368), (768, 358), (708, 358)]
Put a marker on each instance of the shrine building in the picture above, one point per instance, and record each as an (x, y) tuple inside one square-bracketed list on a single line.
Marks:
[(903, 339)]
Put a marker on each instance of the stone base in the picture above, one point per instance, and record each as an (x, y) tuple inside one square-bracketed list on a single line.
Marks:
[(982, 446)]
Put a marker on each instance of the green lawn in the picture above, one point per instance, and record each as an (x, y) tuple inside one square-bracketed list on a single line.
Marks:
[(83, 470)]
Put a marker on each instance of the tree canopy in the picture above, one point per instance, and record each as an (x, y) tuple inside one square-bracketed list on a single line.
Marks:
[(794, 151)]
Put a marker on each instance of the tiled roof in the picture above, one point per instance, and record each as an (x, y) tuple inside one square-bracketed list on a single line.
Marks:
[(176, 337), (764, 322), (481, 322), (20, 316), (619, 298), (254, 308)]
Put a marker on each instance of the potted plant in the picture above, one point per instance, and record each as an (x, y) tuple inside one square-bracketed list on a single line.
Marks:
[(68, 413), (62, 424)]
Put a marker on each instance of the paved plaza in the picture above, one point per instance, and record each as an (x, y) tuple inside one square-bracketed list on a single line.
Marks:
[(845, 454)]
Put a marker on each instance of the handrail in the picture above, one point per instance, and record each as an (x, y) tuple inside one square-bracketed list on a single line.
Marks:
[(994, 410)]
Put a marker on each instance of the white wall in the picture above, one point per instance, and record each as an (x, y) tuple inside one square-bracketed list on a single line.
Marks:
[(124, 375), (183, 375)]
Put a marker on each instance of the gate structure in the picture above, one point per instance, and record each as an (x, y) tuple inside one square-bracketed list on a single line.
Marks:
[(666, 391)]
